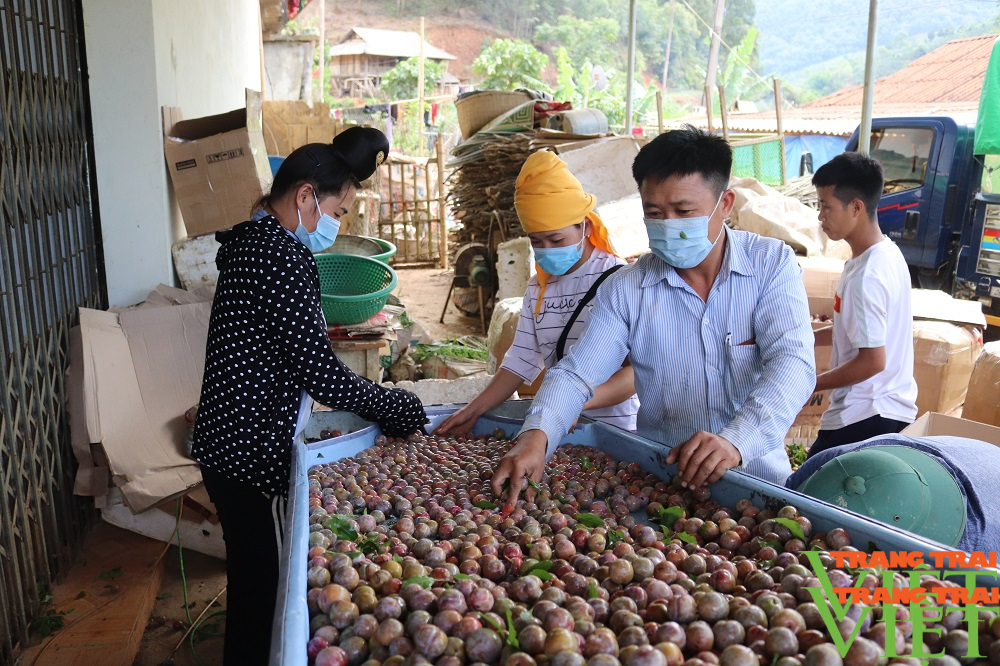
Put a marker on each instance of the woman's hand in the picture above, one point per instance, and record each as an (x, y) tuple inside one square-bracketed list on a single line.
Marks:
[(459, 423), (408, 415)]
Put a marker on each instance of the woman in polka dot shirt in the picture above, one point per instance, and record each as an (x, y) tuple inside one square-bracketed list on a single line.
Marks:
[(268, 354)]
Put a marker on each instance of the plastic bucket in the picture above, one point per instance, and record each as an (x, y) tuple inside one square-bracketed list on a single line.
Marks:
[(579, 121)]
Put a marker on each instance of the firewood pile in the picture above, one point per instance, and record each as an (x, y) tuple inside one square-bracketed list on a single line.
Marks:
[(482, 191)]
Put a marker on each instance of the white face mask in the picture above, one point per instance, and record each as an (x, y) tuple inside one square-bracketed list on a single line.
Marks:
[(682, 242), (326, 230)]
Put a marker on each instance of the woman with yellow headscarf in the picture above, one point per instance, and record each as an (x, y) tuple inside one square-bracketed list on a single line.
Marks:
[(573, 255)]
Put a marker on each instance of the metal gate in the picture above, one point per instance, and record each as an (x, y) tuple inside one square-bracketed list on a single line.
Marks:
[(48, 268)]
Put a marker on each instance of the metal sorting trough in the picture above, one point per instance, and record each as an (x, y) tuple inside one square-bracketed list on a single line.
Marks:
[(291, 620)]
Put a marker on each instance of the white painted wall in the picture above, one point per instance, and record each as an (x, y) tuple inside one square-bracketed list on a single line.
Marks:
[(142, 54)]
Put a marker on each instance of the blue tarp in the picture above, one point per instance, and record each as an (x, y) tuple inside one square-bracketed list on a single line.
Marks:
[(822, 147)]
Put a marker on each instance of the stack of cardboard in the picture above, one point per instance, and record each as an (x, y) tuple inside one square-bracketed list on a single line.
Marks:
[(289, 124), (821, 276), (133, 374)]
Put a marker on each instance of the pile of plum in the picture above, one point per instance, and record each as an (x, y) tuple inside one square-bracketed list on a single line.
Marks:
[(414, 561)]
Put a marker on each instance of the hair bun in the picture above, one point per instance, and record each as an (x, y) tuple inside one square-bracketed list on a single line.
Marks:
[(362, 149)]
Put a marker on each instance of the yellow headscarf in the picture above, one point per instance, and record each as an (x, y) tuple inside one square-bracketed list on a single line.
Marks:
[(548, 197)]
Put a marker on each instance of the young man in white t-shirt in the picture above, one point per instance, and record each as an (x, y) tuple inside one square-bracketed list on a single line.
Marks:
[(872, 390)]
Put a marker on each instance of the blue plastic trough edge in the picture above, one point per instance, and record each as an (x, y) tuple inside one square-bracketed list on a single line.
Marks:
[(291, 621)]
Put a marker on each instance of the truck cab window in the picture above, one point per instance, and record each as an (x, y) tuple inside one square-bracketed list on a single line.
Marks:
[(904, 153)]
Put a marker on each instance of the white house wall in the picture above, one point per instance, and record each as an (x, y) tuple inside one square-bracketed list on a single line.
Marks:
[(141, 55)]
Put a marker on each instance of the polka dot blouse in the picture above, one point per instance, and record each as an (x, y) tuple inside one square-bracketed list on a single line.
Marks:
[(267, 340)]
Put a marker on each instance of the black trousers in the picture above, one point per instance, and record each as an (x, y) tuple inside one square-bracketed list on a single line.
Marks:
[(855, 432), (252, 527)]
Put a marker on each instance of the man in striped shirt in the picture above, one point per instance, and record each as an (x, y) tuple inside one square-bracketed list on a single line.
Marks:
[(714, 321)]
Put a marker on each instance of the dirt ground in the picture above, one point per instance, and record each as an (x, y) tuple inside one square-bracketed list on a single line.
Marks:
[(206, 578), (423, 292)]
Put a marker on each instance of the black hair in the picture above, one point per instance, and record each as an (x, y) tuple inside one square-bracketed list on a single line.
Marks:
[(683, 152), (853, 176), (315, 164), (330, 168)]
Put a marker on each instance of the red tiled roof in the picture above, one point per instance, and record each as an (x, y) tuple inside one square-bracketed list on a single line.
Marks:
[(951, 73)]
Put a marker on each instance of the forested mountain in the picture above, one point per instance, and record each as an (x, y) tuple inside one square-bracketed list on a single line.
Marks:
[(815, 46), (821, 45)]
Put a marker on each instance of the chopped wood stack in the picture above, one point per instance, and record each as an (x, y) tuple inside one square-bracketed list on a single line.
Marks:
[(482, 192)]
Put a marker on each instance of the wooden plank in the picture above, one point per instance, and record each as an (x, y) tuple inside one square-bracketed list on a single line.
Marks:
[(105, 617)]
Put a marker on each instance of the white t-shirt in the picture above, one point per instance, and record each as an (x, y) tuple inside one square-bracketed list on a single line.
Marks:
[(534, 346), (872, 309)]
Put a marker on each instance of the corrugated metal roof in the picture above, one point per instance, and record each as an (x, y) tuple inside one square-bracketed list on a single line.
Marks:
[(829, 120), (952, 73), (387, 43)]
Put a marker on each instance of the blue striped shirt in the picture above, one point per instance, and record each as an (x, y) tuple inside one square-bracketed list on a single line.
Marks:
[(741, 365)]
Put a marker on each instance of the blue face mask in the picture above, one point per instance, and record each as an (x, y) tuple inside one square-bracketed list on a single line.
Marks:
[(558, 260), (682, 242), (325, 234)]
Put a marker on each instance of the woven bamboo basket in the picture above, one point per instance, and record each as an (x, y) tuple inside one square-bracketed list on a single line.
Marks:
[(480, 107)]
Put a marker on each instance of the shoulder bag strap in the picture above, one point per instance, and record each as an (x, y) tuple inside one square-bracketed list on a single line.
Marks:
[(587, 298)]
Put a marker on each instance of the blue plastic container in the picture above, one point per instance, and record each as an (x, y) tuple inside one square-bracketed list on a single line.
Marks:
[(291, 620), (275, 162)]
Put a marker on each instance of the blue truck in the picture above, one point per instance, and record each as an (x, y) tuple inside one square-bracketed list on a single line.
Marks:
[(934, 206), (941, 202)]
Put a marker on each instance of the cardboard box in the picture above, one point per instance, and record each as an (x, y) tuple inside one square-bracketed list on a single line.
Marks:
[(935, 305), (289, 124), (933, 424), (218, 165), (947, 339), (820, 275), (943, 357), (983, 400), (133, 374)]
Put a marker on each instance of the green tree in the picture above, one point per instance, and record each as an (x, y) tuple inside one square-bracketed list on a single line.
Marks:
[(507, 64), (400, 82), (595, 40), (565, 75), (739, 79), (576, 86)]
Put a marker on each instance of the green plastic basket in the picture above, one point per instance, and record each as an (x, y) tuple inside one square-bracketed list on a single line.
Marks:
[(364, 246), (359, 245), (353, 289), (388, 249)]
